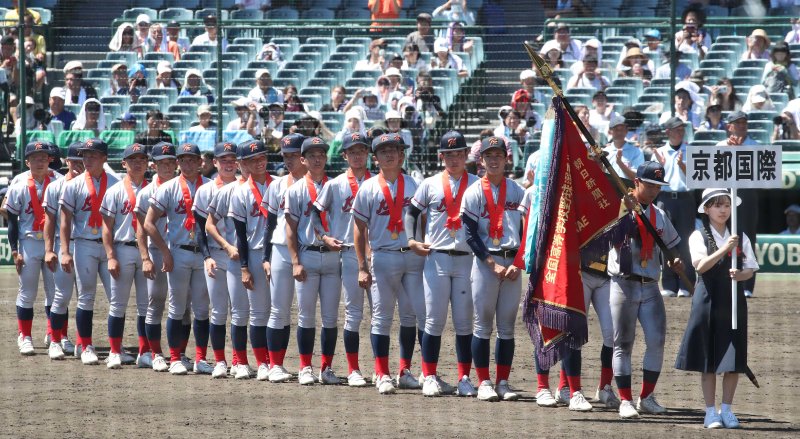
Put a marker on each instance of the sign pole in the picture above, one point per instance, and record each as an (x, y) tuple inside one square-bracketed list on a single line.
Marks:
[(734, 253)]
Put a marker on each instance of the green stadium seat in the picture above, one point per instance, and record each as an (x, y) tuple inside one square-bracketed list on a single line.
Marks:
[(67, 137), (117, 141)]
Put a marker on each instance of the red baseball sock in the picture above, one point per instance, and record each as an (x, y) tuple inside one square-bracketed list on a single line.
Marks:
[(542, 381), (483, 373), (56, 336), (49, 329), (219, 355), (404, 364), (155, 346), (241, 357), (647, 389), (429, 369), (116, 344), (464, 369), (25, 327), (174, 354), (503, 371), (234, 358), (305, 360), (574, 384), (606, 374), (261, 356), (200, 353), (275, 358), (352, 362), (327, 361), (625, 394), (381, 366), (144, 346), (562, 380)]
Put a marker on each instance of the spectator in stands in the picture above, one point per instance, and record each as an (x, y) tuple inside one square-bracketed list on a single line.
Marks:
[(527, 82), (271, 52), (384, 10), (137, 77), (311, 125), (456, 38), (784, 127), (91, 117), (155, 130), (375, 59), (247, 118), (758, 100), (724, 94), (395, 80), (57, 111), (510, 127), (289, 91), (713, 119), (653, 139), (142, 28), (41, 45), (294, 104), (602, 112), (338, 100), (780, 73), (164, 77), (686, 99), (521, 103), (792, 220), (264, 92), (77, 91), (422, 37), (204, 119), (571, 49), (412, 60), (624, 156), (372, 107), (275, 125), (583, 114), (394, 124), (34, 64), (699, 78), (551, 52), (757, 45), (590, 77), (157, 43), (127, 122), (12, 15), (9, 63), (174, 35), (124, 40), (652, 48), (394, 60), (209, 37), (353, 123), (793, 36), (635, 65), (262, 5), (386, 92), (428, 104), (119, 84), (444, 59), (693, 38), (673, 62), (30, 122), (454, 11), (194, 85), (412, 120), (207, 167)]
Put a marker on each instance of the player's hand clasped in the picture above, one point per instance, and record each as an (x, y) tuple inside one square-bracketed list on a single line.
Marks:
[(420, 248)]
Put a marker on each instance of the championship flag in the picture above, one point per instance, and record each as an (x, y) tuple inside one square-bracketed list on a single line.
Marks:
[(572, 202)]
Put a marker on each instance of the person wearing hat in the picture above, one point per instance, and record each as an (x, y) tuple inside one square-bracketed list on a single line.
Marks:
[(443, 58), (394, 124), (634, 266), (142, 29), (92, 117), (84, 227), (590, 76), (247, 117), (164, 78), (157, 42), (636, 65), (57, 110), (757, 46), (182, 258), (395, 79), (353, 123), (571, 49), (204, 119), (521, 103), (264, 92), (210, 37), (592, 47), (792, 220), (119, 85), (124, 260), (195, 85), (624, 156), (127, 121), (76, 91), (652, 47), (422, 37), (758, 100), (271, 52), (454, 12), (26, 221), (174, 36), (371, 104), (384, 10), (125, 40), (448, 260), (709, 344)]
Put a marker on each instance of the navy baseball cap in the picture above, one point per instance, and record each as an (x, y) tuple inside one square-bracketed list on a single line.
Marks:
[(53, 150), (250, 149), (387, 139), (354, 139), (222, 149), (493, 143), (162, 150), (127, 117), (674, 122), (134, 149), (188, 149), (736, 115), (74, 151), (37, 146), (95, 145), (312, 143), (452, 141), (292, 143), (651, 172)]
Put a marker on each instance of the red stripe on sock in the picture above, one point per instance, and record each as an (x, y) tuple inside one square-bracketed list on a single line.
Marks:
[(503, 371), (305, 360), (606, 375), (381, 366), (327, 361), (464, 369), (352, 362), (404, 364), (219, 355), (144, 346), (174, 354), (562, 380), (25, 327), (87, 341), (155, 345), (261, 356), (275, 358), (483, 373), (647, 388), (429, 368), (49, 329), (542, 381), (574, 384), (241, 357), (200, 353), (625, 394), (56, 336), (116, 344)]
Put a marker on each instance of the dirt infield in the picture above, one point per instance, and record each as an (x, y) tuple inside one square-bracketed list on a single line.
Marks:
[(41, 398)]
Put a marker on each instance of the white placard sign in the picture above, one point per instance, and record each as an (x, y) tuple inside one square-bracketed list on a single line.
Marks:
[(742, 167)]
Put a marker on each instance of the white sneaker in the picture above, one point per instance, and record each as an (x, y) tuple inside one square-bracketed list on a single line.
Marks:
[(486, 392), (240, 372), (327, 376), (504, 391), (55, 352), (729, 420), (748, 293), (263, 372), (385, 386), (407, 381), (202, 367), (187, 362), (712, 420), (355, 379), (19, 339), (578, 403), (279, 374), (544, 398), (253, 372), (114, 361), (446, 388), (421, 379), (220, 370), (178, 368), (650, 405), (465, 387), (684, 293), (562, 396), (306, 376), (47, 339), (668, 293), (145, 360), (160, 363), (26, 346), (627, 411), (89, 356), (431, 387), (67, 346), (77, 351), (606, 396)]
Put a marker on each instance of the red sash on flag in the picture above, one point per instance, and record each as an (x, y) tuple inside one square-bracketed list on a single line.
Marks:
[(453, 205), (395, 206), (95, 219), (36, 204)]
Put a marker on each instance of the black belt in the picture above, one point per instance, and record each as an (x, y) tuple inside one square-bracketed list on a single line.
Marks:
[(505, 253), (190, 248), (401, 249), (595, 272), (346, 248), (130, 243), (317, 248), (451, 252), (98, 240), (638, 278)]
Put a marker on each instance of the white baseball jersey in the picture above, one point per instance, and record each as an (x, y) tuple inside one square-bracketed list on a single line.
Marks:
[(276, 206), (117, 204), (50, 203), (245, 208), (219, 208), (336, 198), (527, 200), (298, 206), (168, 198), (23, 177), (19, 203), (430, 199), (474, 206), (76, 199), (371, 207), (143, 204), (202, 201), (665, 230)]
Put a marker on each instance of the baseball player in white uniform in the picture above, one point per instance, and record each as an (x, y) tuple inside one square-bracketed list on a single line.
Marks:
[(394, 271), (124, 262), (315, 268), (26, 219), (215, 259), (182, 258), (336, 200), (82, 221), (64, 281), (277, 262), (490, 213), (249, 217), (448, 260)]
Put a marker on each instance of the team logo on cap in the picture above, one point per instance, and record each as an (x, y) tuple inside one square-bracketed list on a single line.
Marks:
[(316, 141), (253, 146), (38, 146), (287, 141), (136, 147), (187, 146), (90, 143), (228, 146), (164, 149), (451, 142), (355, 136), (384, 138), (659, 173), (493, 141)]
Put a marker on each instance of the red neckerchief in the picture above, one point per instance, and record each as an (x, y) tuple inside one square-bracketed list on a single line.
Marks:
[(495, 209), (36, 204), (257, 194), (351, 178), (188, 223), (396, 205), (453, 205), (312, 193), (647, 239), (95, 219), (132, 198)]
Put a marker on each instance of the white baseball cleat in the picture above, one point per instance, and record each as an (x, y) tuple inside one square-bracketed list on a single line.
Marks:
[(729, 420), (544, 398), (145, 360), (486, 392), (178, 368), (684, 293), (444, 386), (327, 376), (306, 376), (355, 379), (578, 403), (627, 411), (431, 387), (253, 372), (19, 339), (263, 372), (188, 364), (407, 381), (67, 346), (712, 420), (650, 405), (279, 374), (126, 358), (385, 386), (202, 367), (504, 391), (114, 361), (562, 396), (606, 396), (89, 356), (668, 293), (240, 372), (26, 346), (160, 363), (465, 387), (55, 352), (220, 370)]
